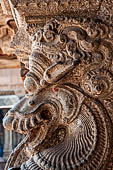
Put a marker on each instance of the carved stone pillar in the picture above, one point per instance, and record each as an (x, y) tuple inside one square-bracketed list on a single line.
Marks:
[(67, 114), (7, 143)]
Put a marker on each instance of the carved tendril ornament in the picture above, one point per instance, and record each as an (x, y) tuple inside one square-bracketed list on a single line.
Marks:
[(65, 115)]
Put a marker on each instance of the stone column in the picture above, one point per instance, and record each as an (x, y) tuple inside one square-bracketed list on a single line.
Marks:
[(7, 143)]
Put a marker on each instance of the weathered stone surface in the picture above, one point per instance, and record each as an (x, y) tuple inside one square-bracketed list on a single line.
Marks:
[(67, 113), (7, 28)]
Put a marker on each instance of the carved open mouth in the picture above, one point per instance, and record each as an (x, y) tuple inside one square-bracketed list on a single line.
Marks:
[(27, 115), (21, 124)]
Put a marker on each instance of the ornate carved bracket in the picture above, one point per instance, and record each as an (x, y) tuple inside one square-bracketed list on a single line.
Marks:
[(67, 113)]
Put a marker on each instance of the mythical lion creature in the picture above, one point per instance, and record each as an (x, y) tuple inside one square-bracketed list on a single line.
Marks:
[(64, 114)]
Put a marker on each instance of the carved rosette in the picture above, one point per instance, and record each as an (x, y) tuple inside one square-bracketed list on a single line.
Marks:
[(66, 113)]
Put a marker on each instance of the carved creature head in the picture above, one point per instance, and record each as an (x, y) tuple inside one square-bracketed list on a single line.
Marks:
[(69, 77), (60, 46)]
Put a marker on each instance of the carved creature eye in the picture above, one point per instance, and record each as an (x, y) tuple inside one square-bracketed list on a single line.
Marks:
[(31, 102)]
